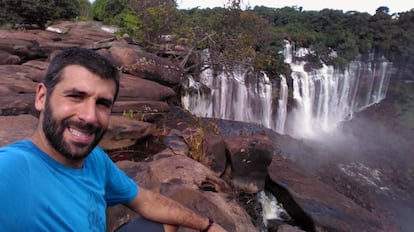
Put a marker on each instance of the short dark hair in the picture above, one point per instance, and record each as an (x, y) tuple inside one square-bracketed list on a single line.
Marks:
[(89, 59)]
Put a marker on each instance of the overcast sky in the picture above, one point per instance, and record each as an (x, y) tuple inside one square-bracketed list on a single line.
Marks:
[(346, 5)]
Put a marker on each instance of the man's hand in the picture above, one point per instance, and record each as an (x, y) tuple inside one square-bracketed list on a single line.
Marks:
[(159, 208), (216, 228)]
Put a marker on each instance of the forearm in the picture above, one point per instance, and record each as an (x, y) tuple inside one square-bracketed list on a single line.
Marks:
[(158, 208)]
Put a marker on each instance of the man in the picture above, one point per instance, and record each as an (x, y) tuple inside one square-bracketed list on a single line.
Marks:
[(59, 179)]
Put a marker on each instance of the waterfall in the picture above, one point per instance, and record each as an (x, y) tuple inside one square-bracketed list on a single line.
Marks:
[(282, 106), (326, 96), (239, 95), (322, 97), (271, 209)]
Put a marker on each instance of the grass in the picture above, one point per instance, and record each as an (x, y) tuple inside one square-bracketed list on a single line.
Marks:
[(195, 143), (134, 114)]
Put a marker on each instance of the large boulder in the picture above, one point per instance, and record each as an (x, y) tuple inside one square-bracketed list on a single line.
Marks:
[(316, 206), (25, 45), (132, 87), (215, 153), (146, 65), (7, 58), (124, 132), (188, 182), (18, 78), (18, 86), (249, 158)]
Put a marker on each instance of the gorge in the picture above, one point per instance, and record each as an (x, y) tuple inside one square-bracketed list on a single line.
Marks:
[(328, 113)]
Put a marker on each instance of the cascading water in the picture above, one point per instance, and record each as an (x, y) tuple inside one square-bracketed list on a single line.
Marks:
[(282, 106), (238, 95), (271, 209), (322, 97)]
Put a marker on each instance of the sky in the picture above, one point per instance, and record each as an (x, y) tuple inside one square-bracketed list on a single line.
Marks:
[(368, 6)]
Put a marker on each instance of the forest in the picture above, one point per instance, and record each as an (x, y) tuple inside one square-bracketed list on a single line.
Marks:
[(236, 36)]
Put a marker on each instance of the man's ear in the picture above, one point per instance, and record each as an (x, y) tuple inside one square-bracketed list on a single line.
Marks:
[(40, 100)]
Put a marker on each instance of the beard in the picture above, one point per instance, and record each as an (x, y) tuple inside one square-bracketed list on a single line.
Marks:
[(54, 130)]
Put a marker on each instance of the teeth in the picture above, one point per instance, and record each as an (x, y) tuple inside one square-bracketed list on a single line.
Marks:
[(77, 133)]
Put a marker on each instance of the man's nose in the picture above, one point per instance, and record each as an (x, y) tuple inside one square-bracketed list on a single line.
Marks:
[(87, 112)]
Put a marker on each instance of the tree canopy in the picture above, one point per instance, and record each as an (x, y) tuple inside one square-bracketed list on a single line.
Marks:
[(238, 36), (37, 11)]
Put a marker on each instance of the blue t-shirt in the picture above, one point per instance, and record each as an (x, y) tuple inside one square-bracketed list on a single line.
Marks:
[(39, 194)]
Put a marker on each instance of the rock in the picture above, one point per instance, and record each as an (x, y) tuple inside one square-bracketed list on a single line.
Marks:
[(176, 143), (288, 228), (146, 65), (18, 78), (86, 36), (37, 64), (314, 205), (215, 153), (124, 132), (24, 45), (7, 58), (190, 183), (138, 89), (249, 157), (148, 111), (15, 128), (16, 104)]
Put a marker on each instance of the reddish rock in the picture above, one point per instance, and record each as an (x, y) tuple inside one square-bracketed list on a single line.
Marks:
[(18, 78), (288, 228), (175, 143), (123, 132), (190, 183), (15, 128), (16, 104), (215, 153), (148, 111), (138, 89), (146, 65), (249, 157), (7, 58), (25, 45), (37, 64), (316, 206)]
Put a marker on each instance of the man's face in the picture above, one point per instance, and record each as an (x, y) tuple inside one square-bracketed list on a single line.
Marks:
[(76, 114)]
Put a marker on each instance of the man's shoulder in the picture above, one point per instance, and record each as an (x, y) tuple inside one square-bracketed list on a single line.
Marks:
[(22, 145), (15, 156), (17, 148)]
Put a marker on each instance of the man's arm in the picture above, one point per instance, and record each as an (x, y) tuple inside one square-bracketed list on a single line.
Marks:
[(159, 208)]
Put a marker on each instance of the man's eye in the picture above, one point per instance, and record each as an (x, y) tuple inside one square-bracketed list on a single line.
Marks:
[(75, 96), (105, 103)]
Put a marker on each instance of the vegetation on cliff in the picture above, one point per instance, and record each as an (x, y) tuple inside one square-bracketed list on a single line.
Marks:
[(239, 36), (39, 12)]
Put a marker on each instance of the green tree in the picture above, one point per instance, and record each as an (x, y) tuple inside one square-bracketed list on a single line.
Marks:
[(145, 20), (106, 10), (37, 11)]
